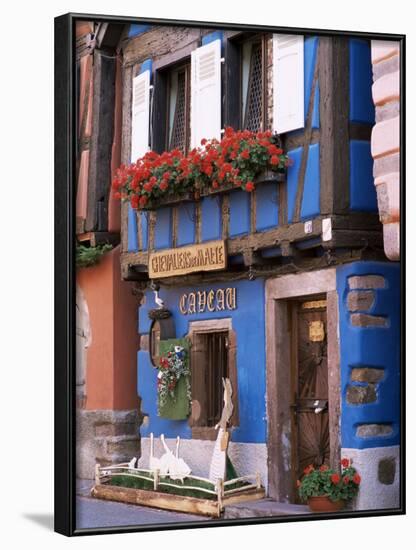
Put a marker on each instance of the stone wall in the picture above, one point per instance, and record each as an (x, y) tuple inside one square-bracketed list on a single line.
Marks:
[(385, 140), (105, 437)]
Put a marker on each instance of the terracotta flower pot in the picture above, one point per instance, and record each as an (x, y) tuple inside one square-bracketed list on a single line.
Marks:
[(325, 504)]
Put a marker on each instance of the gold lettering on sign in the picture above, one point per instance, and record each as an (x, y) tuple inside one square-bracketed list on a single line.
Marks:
[(230, 297), (183, 305), (188, 259), (220, 300), (202, 301), (208, 300), (191, 303)]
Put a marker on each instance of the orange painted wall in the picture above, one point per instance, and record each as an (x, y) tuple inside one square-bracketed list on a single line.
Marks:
[(111, 357)]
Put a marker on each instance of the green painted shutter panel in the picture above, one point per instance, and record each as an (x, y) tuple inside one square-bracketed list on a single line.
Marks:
[(177, 408)]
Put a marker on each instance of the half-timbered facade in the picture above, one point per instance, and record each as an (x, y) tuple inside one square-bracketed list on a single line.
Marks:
[(285, 290)]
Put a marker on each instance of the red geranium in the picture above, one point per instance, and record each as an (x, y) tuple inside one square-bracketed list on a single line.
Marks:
[(345, 462), (356, 479), (335, 479)]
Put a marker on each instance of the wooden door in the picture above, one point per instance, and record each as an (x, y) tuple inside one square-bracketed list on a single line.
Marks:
[(310, 426)]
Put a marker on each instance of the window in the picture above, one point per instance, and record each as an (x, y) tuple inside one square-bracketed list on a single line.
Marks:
[(213, 357), (179, 109), (252, 85)]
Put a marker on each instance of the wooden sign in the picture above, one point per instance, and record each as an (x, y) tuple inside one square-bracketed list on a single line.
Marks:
[(316, 331), (209, 256)]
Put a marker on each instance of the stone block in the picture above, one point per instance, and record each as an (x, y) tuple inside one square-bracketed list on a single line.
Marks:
[(385, 137), (388, 197), (144, 342), (389, 65), (387, 470), (360, 300), (124, 446), (383, 49), (386, 165), (365, 320), (386, 88), (363, 282), (391, 236), (374, 430), (359, 395), (367, 374), (389, 110)]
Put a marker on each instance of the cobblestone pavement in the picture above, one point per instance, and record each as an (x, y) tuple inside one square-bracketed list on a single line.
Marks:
[(99, 513), (92, 513)]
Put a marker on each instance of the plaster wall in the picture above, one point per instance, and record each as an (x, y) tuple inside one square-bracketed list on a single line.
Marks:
[(379, 468)]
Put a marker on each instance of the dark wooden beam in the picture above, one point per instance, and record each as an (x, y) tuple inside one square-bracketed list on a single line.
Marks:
[(232, 84), (333, 60), (160, 105), (99, 176)]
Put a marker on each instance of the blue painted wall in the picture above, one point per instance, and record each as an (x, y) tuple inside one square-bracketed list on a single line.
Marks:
[(361, 79), (186, 223), (267, 215), (310, 50), (310, 202), (211, 218), (248, 322), (135, 30), (363, 195), (372, 347), (132, 243), (163, 228), (239, 203)]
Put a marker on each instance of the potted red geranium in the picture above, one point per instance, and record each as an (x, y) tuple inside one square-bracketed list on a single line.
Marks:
[(326, 490)]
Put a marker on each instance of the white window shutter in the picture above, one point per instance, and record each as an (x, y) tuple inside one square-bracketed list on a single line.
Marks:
[(288, 83), (206, 93), (140, 115)]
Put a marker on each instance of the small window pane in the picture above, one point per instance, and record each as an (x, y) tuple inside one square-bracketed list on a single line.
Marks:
[(252, 86), (178, 110)]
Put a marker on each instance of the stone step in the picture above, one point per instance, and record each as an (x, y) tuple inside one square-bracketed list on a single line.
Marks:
[(264, 508)]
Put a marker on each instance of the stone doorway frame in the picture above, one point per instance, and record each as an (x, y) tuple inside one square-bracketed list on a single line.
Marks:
[(278, 369)]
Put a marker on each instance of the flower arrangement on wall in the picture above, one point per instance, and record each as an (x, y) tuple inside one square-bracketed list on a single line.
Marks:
[(173, 368), (233, 162)]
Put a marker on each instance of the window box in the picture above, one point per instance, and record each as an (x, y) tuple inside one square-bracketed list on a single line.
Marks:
[(268, 176), (169, 200)]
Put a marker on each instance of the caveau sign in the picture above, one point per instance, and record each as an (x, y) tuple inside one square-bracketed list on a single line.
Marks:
[(208, 300), (188, 259)]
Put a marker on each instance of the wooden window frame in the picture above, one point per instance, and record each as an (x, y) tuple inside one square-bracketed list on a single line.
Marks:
[(205, 327), (161, 71)]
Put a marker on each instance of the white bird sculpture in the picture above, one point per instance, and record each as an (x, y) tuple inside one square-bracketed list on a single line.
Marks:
[(158, 300), (154, 463), (172, 465)]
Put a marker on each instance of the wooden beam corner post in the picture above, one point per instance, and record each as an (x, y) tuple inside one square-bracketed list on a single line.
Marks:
[(333, 67)]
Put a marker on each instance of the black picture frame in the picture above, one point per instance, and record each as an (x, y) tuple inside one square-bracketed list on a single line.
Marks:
[(65, 151)]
